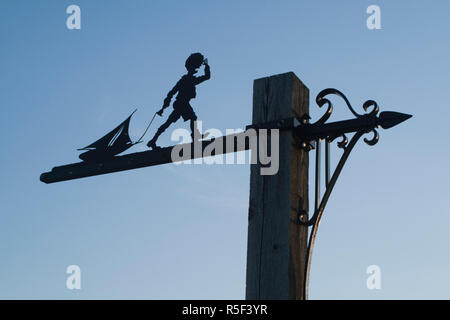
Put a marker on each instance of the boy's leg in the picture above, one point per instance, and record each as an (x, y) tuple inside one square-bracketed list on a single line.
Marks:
[(194, 130), (188, 114), (174, 116)]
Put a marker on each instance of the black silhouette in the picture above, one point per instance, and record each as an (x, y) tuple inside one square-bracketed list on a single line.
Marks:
[(186, 91), (115, 142)]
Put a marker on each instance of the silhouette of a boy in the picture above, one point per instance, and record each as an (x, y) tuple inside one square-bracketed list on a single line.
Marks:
[(186, 91)]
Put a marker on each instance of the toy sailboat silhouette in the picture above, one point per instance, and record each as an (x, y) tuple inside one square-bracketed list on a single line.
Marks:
[(113, 143)]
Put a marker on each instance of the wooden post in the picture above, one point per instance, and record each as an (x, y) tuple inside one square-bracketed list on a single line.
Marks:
[(276, 248)]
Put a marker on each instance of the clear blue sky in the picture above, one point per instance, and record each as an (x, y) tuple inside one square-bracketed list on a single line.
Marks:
[(180, 231)]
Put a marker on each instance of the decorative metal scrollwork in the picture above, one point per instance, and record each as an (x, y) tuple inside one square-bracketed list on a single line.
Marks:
[(321, 100), (371, 110)]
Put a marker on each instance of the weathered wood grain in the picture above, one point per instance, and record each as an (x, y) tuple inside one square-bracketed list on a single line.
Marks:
[(276, 245)]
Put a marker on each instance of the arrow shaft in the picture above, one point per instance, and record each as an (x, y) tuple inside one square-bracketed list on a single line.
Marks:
[(309, 132)]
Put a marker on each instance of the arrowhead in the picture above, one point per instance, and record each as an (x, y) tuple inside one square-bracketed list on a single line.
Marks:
[(389, 119)]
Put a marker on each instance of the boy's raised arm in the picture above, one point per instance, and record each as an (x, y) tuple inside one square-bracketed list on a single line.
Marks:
[(207, 74)]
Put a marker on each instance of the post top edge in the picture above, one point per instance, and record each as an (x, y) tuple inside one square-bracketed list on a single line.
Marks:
[(282, 75)]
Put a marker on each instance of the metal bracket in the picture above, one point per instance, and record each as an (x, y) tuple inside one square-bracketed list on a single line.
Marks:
[(328, 132), (291, 123)]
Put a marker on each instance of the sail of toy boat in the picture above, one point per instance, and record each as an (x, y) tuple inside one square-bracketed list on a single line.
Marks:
[(113, 143)]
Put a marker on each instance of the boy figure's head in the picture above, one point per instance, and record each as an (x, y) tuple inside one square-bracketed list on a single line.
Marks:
[(194, 62)]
